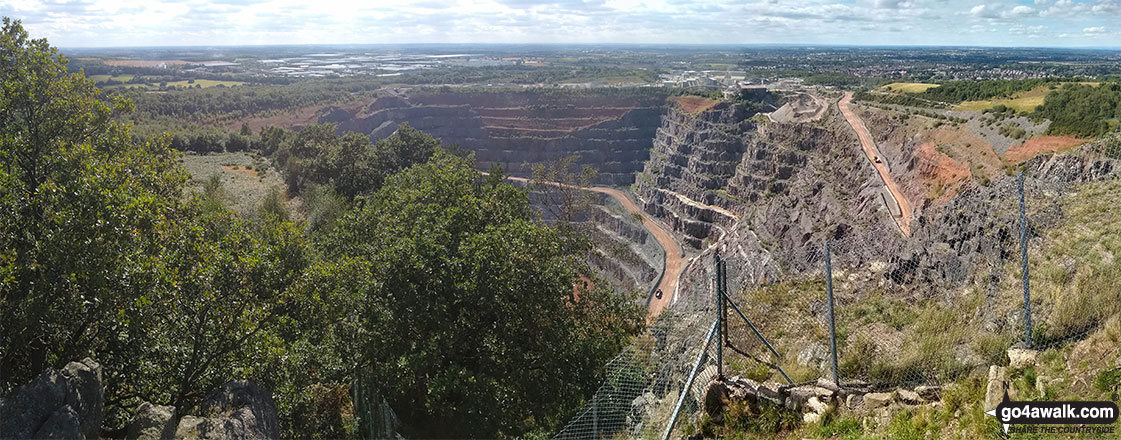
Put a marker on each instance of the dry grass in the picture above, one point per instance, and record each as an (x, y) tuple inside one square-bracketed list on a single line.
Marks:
[(908, 87), (246, 179)]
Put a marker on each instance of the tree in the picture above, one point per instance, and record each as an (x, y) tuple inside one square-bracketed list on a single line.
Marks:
[(80, 206), (564, 193), (102, 255), (467, 303)]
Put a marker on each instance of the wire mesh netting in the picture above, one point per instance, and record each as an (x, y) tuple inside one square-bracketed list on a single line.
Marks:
[(932, 307), (977, 275), (643, 385)]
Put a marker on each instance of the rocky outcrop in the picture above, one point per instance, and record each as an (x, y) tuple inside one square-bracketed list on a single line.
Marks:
[(64, 403), (152, 422), (238, 410)]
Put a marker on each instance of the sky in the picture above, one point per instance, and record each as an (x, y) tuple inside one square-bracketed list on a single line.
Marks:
[(108, 23)]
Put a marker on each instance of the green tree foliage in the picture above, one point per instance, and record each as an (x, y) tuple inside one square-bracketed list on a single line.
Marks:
[(351, 163), (102, 255), (442, 283), (468, 303), (958, 91), (1082, 110), (80, 209)]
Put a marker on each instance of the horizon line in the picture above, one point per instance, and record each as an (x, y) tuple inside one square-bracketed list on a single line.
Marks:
[(642, 45)]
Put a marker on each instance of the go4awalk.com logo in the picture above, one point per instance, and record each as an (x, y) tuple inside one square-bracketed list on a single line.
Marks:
[(1058, 417)]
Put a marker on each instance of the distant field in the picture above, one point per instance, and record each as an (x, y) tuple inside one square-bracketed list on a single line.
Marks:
[(206, 83), (103, 78), (908, 87), (1021, 102)]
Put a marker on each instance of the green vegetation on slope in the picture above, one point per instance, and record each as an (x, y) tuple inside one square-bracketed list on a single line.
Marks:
[(1082, 110), (438, 283)]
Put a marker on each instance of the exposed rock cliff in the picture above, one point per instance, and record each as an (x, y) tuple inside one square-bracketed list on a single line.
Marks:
[(610, 129)]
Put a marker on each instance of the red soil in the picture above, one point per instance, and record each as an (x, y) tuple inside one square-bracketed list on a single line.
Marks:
[(694, 104), (1039, 145), (937, 170)]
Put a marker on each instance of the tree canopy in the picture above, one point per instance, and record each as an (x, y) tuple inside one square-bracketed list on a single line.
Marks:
[(478, 319)]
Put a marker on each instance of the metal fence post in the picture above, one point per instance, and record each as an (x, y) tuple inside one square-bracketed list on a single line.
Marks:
[(721, 273), (1024, 263), (832, 322)]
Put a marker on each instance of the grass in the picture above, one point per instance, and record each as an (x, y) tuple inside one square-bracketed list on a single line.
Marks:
[(908, 87), (103, 78), (1024, 102), (1075, 276), (244, 178), (205, 83)]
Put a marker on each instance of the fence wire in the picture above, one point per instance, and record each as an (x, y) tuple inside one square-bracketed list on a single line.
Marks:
[(908, 314), (905, 313), (645, 382)]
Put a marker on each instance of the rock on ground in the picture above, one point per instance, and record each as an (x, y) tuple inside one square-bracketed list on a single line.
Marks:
[(152, 422), (53, 402), (996, 388), (876, 400), (1021, 357), (238, 410)]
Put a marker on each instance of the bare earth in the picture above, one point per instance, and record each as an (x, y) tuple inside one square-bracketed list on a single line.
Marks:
[(674, 258), (1038, 145), (869, 147)]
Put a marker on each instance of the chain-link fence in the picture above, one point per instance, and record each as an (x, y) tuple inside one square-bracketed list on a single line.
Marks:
[(1013, 263), (661, 373)]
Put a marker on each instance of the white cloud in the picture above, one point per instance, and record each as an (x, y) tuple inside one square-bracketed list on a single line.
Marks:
[(218, 22), (1093, 30)]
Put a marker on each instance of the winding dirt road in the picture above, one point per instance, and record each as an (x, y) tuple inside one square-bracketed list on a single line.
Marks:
[(869, 147), (674, 257)]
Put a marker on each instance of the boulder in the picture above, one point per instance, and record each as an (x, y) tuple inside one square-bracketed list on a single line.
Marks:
[(241, 406), (744, 390), (86, 398), (211, 428), (854, 401), (816, 409), (828, 384), (152, 422), (996, 388), (63, 424), (49, 404), (1021, 357), (715, 395), (876, 400), (772, 392), (908, 397), (798, 396), (29, 406), (929, 393)]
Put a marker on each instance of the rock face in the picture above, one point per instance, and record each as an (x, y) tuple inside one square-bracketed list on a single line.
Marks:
[(238, 410), (152, 422), (611, 130), (64, 403)]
